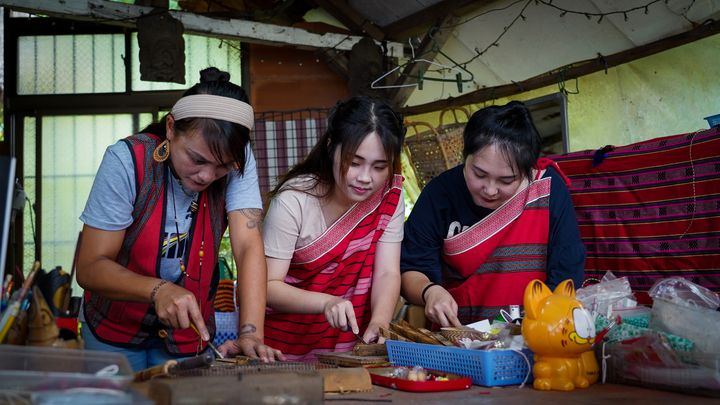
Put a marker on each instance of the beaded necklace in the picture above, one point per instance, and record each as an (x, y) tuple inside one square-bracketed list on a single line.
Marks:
[(193, 209)]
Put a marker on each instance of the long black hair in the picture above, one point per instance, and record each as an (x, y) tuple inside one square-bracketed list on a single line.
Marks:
[(348, 125), (220, 135), (510, 127)]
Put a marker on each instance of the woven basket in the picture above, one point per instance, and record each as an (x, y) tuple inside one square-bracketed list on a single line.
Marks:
[(450, 136), (425, 152), (456, 334)]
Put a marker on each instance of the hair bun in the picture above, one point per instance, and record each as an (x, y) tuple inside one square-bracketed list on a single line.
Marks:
[(213, 74)]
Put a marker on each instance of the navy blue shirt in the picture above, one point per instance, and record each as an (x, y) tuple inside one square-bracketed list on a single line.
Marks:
[(445, 208)]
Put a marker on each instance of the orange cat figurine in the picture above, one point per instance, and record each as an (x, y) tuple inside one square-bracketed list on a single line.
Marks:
[(561, 333)]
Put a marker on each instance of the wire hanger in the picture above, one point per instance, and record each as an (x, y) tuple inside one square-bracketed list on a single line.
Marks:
[(458, 75)]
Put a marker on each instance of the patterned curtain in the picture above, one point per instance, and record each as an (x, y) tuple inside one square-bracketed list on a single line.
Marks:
[(282, 139)]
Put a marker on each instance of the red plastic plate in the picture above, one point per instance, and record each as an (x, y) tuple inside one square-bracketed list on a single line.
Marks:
[(384, 376)]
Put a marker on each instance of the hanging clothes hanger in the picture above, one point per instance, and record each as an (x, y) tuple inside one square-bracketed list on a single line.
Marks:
[(458, 79), (442, 67)]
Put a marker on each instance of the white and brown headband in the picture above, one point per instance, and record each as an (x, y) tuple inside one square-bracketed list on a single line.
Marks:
[(216, 107)]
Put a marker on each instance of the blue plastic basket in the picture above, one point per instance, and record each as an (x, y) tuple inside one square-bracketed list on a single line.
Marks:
[(486, 367)]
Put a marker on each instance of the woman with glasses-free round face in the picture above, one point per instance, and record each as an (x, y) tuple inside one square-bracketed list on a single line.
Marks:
[(491, 179), (368, 171), (332, 235), (192, 160), (480, 232), (160, 203)]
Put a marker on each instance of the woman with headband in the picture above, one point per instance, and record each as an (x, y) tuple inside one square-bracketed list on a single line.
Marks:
[(156, 213)]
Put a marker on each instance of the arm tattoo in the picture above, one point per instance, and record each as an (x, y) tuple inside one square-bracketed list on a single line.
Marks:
[(254, 216), (247, 329)]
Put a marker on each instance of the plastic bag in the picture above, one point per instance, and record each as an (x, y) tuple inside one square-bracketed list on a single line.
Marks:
[(611, 293), (681, 291)]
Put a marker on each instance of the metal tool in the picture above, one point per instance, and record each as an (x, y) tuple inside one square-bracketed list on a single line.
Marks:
[(200, 361), (360, 339), (209, 343), (163, 334)]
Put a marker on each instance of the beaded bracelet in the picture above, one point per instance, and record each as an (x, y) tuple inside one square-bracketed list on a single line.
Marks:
[(156, 289), (425, 290)]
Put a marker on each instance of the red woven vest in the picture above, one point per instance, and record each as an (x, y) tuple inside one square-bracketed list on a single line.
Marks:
[(127, 323)]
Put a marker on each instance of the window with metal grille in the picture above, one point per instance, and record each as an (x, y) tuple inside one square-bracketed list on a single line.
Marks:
[(61, 147)]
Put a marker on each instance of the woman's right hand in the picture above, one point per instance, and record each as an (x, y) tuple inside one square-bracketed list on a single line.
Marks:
[(340, 313), (440, 307), (177, 308)]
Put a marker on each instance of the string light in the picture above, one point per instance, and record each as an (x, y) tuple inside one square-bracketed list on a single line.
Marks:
[(589, 15), (484, 13), (547, 3), (521, 15), (496, 42)]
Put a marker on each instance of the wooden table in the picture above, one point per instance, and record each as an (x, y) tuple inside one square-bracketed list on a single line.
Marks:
[(597, 394), (614, 394)]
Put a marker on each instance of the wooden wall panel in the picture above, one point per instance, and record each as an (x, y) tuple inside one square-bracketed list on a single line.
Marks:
[(283, 79)]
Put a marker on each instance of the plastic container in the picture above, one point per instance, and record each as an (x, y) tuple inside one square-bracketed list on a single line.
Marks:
[(451, 382), (700, 325), (699, 376), (486, 367), (29, 368)]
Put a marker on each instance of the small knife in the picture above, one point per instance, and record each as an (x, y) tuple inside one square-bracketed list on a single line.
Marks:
[(360, 339)]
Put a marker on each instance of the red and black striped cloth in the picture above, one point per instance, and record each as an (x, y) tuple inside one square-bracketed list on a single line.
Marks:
[(650, 210), (339, 262), (225, 296)]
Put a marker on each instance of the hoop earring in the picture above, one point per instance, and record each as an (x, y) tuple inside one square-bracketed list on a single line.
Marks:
[(162, 151)]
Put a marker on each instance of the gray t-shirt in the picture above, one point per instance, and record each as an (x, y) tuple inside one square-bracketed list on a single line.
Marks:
[(110, 204)]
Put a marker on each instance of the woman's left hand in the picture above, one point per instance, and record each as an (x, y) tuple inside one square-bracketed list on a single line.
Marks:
[(372, 333), (251, 346)]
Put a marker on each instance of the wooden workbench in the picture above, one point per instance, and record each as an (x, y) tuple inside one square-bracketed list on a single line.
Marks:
[(597, 394)]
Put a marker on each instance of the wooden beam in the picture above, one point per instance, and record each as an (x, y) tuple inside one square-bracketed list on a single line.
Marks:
[(109, 12), (429, 15), (63, 104), (570, 71), (153, 3), (337, 61), (432, 43), (351, 18)]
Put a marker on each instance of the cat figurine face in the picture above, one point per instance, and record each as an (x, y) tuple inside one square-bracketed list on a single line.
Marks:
[(559, 331)]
